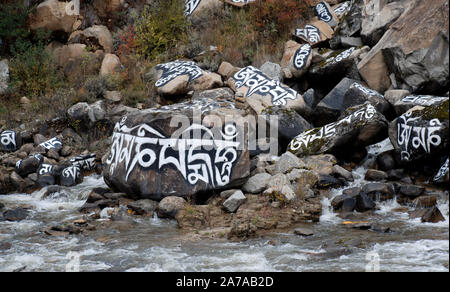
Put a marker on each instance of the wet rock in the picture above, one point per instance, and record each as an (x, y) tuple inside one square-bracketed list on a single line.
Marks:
[(110, 65), (296, 59), (234, 202), (375, 175), (18, 214), (364, 203), (386, 161), (5, 245), (143, 207), (303, 232), (46, 180), (253, 85), (361, 126), (94, 197), (405, 56), (422, 133), (170, 206), (257, 183), (157, 167), (379, 191), (411, 191)]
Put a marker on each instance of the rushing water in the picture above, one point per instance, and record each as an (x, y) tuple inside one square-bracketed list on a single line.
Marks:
[(152, 244)]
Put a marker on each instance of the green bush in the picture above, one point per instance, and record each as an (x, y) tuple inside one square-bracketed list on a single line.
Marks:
[(160, 28), (34, 73)]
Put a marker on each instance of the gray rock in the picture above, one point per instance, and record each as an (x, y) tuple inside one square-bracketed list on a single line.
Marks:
[(272, 70), (342, 172), (234, 201), (18, 214), (348, 42), (303, 231), (280, 185), (4, 76), (223, 93), (257, 183), (287, 162)]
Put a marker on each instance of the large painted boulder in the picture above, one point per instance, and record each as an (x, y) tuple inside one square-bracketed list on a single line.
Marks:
[(408, 102), (29, 165), (332, 106), (362, 126), (10, 140), (262, 92), (172, 151), (179, 77), (421, 133)]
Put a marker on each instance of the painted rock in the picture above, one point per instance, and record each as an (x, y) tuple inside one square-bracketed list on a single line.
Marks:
[(52, 144), (332, 106), (178, 150), (443, 173), (238, 3), (362, 125), (10, 140), (410, 101), (421, 133), (326, 14), (296, 59), (194, 7), (262, 92), (29, 165), (71, 176), (341, 9)]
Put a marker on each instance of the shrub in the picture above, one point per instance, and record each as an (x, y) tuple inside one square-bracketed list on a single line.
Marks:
[(96, 86), (34, 73), (160, 28)]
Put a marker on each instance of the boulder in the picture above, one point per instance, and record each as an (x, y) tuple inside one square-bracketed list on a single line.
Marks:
[(314, 33), (350, 18), (71, 176), (29, 165), (324, 13), (426, 25), (218, 94), (4, 76), (375, 175), (54, 143), (303, 232), (179, 77), (377, 17), (110, 65), (409, 101), (362, 126), (280, 188), (10, 141), (379, 191), (169, 206), (287, 162), (428, 215), (394, 95), (421, 133), (234, 202), (272, 70), (296, 59), (289, 123), (53, 15), (411, 191), (226, 70), (262, 92), (84, 162), (257, 183), (333, 105), (98, 37), (17, 214), (152, 157)]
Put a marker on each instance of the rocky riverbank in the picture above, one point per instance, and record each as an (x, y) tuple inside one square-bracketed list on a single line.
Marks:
[(356, 77)]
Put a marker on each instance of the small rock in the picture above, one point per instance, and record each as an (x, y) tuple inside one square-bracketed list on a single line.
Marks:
[(342, 172), (411, 191), (375, 175), (143, 207), (287, 162), (169, 206), (257, 183), (425, 201), (15, 214)]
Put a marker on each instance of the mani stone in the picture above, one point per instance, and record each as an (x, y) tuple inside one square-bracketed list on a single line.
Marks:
[(234, 202), (149, 158), (257, 183)]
